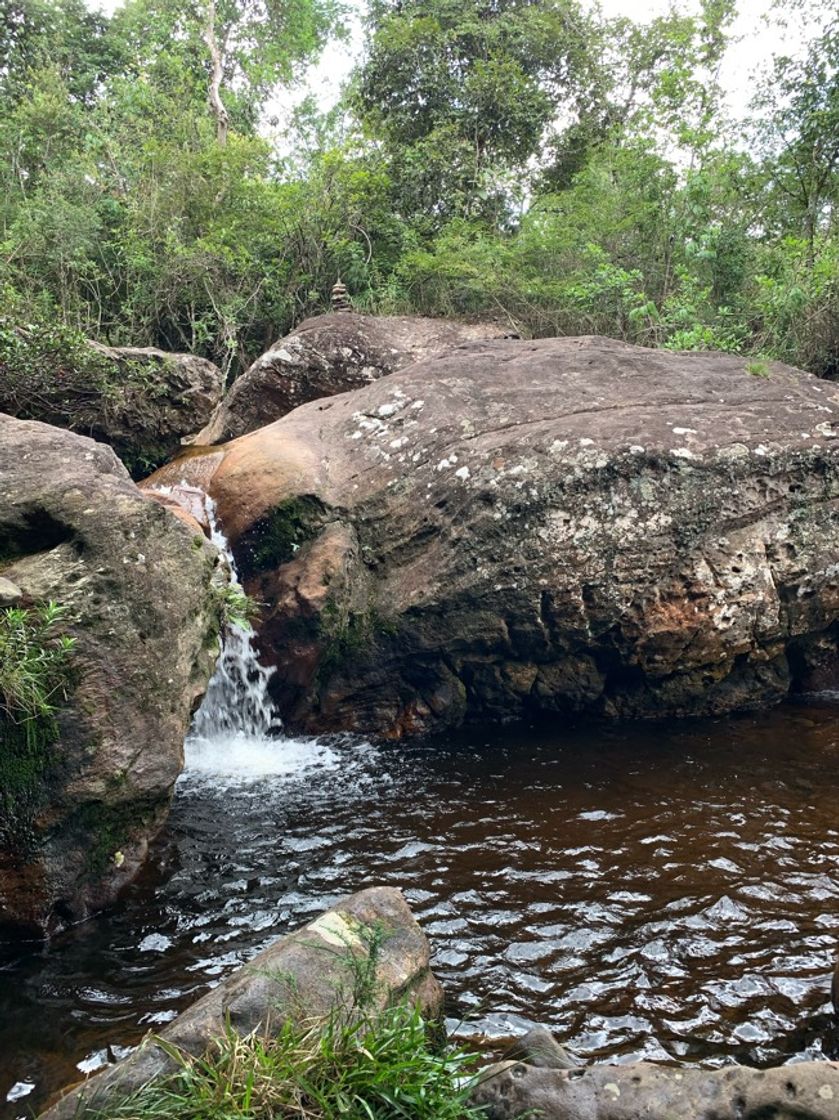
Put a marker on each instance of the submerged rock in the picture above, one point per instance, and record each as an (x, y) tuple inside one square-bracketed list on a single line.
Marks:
[(516, 528), (327, 355), (365, 954), (77, 813), (139, 400), (539, 1048)]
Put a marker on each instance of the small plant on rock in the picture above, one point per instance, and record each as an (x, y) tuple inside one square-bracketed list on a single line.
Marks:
[(376, 1067), (35, 675)]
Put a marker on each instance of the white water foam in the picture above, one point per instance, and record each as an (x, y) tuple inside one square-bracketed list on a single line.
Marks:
[(238, 759), (236, 734)]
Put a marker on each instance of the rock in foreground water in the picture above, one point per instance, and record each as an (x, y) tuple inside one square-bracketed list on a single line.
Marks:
[(521, 528), (365, 954), (134, 583)]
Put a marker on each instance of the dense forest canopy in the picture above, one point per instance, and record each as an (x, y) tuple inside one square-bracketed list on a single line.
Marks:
[(527, 160)]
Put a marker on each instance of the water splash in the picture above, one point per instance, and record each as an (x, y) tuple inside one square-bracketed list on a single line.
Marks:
[(237, 703), (237, 734)]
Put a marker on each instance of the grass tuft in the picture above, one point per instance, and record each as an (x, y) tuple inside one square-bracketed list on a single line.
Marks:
[(379, 1066), (35, 672)]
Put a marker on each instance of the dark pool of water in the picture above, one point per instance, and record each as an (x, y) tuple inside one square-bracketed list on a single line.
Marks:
[(666, 892)]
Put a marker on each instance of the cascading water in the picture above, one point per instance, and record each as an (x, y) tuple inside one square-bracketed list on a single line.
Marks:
[(237, 734), (237, 702)]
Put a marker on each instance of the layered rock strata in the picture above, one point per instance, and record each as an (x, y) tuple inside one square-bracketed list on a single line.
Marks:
[(514, 529)]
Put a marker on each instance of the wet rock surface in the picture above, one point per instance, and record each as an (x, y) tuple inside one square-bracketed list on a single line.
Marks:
[(516, 528), (806, 1091), (302, 977), (327, 355), (135, 585)]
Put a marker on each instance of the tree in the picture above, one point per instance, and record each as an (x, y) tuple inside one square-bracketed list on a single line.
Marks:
[(462, 94), (245, 47), (798, 131), (62, 35)]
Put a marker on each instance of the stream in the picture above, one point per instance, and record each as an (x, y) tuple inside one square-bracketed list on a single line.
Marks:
[(659, 891)]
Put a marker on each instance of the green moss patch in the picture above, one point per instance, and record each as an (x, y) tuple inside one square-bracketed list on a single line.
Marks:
[(347, 635), (275, 539), (103, 830)]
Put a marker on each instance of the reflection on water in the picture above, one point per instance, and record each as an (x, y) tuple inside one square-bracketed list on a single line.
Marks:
[(668, 892)]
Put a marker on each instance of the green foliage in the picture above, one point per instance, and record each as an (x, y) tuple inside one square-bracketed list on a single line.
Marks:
[(758, 368), (35, 676), (531, 162), (460, 92), (47, 367), (64, 34), (232, 606), (797, 126), (377, 1066), (49, 371)]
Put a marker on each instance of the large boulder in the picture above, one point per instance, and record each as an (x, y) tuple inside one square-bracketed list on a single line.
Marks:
[(515, 528), (140, 400), (78, 808), (327, 355), (365, 954)]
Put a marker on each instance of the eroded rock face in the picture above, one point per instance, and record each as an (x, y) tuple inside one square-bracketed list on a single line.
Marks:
[(327, 355), (515, 528), (803, 1091), (302, 978), (139, 400), (135, 582)]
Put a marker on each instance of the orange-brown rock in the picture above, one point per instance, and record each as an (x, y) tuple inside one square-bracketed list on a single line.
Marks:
[(515, 528)]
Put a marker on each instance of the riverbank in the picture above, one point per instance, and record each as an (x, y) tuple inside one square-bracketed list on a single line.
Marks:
[(342, 1017)]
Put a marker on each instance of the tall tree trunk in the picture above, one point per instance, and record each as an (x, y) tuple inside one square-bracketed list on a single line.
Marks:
[(810, 223), (216, 74)]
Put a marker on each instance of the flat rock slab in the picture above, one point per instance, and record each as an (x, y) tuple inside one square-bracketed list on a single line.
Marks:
[(303, 977), (644, 1091), (514, 529)]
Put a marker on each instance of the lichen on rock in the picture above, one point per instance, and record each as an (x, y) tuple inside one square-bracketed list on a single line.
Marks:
[(138, 607), (550, 527)]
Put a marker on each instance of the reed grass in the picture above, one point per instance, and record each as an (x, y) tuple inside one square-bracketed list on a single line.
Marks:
[(380, 1066)]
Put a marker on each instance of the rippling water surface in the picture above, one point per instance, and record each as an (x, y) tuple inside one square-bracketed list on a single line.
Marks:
[(666, 892)]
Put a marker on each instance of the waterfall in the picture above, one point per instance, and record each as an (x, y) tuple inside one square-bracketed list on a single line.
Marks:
[(237, 704), (237, 735)]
